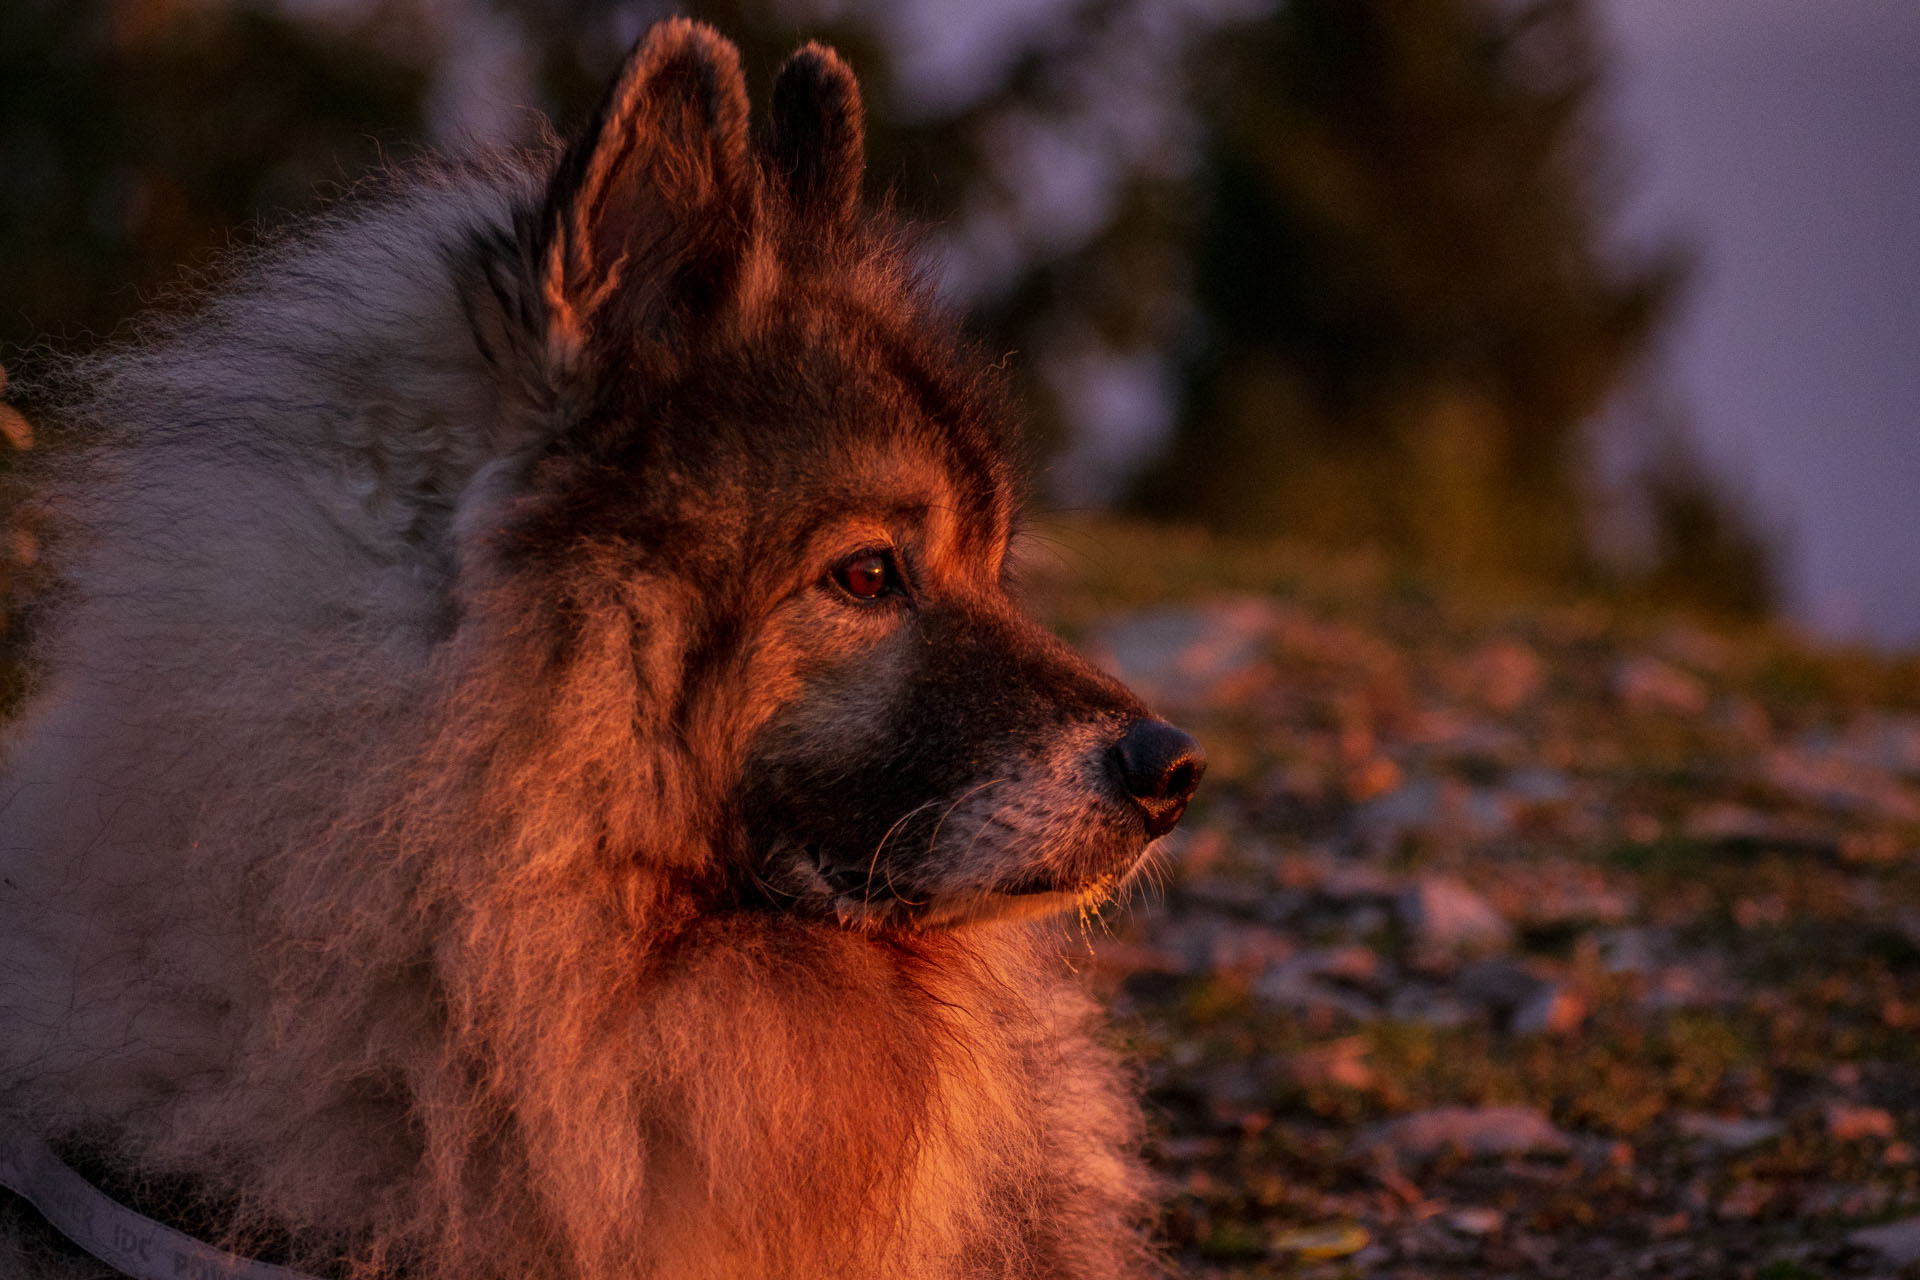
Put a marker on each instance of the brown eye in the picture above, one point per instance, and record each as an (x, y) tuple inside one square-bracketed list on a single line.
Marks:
[(864, 577)]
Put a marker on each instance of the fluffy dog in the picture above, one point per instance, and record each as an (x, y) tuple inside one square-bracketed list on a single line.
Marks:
[(536, 772)]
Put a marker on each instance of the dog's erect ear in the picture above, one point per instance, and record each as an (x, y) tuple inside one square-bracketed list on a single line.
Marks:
[(650, 212), (816, 141)]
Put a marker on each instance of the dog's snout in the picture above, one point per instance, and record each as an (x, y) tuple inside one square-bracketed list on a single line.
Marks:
[(1159, 766)]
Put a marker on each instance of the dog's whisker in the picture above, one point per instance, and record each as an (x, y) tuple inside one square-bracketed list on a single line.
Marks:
[(896, 895), (873, 861), (934, 839)]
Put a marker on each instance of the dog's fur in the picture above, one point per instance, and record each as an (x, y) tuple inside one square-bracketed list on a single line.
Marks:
[(467, 828)]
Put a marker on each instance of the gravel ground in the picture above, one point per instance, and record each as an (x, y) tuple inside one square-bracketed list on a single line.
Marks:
[(1510, 935)]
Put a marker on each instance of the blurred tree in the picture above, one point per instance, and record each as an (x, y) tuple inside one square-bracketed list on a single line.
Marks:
[(1705, 550), (1408, 304)]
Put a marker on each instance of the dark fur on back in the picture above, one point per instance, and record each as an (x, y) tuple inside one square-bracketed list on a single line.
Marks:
[(538, 774)]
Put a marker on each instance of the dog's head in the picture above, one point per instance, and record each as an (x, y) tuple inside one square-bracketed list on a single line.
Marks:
[(768, 456)]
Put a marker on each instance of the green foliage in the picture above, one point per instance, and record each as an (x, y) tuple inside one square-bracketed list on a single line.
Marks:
[(1705, 553), (1408, 301)]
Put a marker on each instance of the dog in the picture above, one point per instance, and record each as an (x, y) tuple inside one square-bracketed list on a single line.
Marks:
[(536, 770)]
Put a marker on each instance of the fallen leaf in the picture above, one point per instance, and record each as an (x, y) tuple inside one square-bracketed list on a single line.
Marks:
[(1319, 1244)]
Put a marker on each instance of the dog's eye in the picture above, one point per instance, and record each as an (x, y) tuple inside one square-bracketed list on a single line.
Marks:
[(867, 576)]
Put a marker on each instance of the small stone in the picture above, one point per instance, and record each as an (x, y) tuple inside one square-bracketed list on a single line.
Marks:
[(1233, 893), (1897, 1242), (1556, 1010), (1745, 717), (1202, 850), (1666, 1227), (1537, 785), (1640, 828), (1872, 848), (1365, 920), (1208, 945), (1479, 1131), (1353, 963), (1725, 822), (1417, 805), (1454, 735), (1852, 1124), (1831, 780), (1374, 777), (1289, 988), (1845, 1200), (1190, 1150), (1427, 1007), (1476, 1222), (1341, 1063), (1505, 674), (1628, 950), (1745, 1201), (1565, 896), (1322, 1243), (1688, 986), (1357, 882), (1229, 1087), (1498, 984), (1733, 1133), (1767, 911), (1190, 656), (1444, 914), (1650, 685)]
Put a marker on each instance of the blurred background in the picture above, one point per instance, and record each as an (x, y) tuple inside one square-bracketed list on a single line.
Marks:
[(1613, 293)]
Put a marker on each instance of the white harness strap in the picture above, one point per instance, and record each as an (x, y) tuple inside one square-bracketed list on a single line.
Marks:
[(133, 1245)]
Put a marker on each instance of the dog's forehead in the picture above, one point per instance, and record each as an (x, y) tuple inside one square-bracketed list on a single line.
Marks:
[(857, 491), (956, 518), (843, 407), (921, 458)]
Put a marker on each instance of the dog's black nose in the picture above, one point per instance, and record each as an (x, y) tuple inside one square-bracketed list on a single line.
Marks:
[(1159, 766)]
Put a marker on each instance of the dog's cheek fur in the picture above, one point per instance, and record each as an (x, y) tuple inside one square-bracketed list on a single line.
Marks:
[(964, 755)]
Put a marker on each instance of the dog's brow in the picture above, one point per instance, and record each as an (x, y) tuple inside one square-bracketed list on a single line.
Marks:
[(815, 524)]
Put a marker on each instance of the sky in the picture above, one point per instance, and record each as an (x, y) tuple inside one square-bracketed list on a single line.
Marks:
[(1782, 139)]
